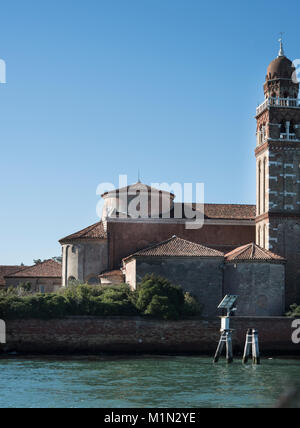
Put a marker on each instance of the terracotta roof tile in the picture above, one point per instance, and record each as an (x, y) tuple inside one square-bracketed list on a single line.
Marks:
[(48, 268), (230, 211), (177, 247), (219, 211), (112, 273), (211, 211), (96, 231), (8, 270), (252, 252)]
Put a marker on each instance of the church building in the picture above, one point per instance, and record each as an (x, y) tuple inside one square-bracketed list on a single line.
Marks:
[(252, 251)]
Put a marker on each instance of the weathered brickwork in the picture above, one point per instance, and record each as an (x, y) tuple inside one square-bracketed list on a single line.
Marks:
[(127, 238), (137, 335)]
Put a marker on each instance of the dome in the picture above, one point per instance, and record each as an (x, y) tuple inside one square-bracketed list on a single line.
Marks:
[(280, 68)]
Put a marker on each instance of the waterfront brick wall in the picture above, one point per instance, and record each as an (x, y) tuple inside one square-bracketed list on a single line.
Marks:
[(137, 335)]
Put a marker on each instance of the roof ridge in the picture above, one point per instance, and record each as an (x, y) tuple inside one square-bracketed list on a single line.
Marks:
[(33, 266), (252, 250), (177, 246), (80, 234), (154, 245), (256, 253)]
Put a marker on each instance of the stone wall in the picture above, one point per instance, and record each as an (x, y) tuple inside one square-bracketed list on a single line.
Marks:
[(202, 277), (84, 260), (286, 242), (137, 335), (260, 287), (39, 285)]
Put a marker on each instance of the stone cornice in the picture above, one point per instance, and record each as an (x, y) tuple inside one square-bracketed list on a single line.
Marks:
[(261, 149), (208, 222), (277, 146), (277, 215)]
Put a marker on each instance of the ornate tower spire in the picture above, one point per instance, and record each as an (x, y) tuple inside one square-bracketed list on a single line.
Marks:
[(281, 51)]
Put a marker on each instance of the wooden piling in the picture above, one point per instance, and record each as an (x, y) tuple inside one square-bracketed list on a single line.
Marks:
[(225, 339), (255, 347), (247, 346), (220, 347), (229, 354)]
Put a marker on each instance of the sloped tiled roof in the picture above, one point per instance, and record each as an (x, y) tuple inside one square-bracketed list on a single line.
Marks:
[(211, 211), (252, 252), (48, 268), (96, 231), (218, 211), (8, 270), (177, 247), (111, 273), (136, 187), (230, 211)]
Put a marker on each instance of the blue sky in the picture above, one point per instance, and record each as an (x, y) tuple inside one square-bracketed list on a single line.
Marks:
[(98, 88)]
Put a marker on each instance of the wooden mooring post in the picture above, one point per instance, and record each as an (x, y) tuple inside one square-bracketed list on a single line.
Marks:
[(251, 343)]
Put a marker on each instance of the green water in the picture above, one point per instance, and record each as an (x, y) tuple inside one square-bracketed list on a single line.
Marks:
[(112, 382)]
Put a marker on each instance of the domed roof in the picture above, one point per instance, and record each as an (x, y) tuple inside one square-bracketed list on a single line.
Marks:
[(281, 67)]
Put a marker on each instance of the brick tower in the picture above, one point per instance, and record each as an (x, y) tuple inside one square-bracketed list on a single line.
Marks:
[(278, 170)]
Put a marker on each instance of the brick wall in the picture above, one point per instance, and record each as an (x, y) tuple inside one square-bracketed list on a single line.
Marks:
[(136, 236), (137, 335)]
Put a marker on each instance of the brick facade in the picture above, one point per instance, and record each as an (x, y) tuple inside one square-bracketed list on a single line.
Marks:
[(126, 238)]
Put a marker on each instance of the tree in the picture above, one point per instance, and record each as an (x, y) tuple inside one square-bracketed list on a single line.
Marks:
[(158, 297)]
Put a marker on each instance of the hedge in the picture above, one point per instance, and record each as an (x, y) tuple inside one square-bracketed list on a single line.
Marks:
[(156, 297)]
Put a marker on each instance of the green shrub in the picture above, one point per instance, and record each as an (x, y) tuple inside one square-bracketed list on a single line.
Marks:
[(171, 298), (191, 306), (294, 311), (155, 297), (160, 307), (42, 306), (82, 300)]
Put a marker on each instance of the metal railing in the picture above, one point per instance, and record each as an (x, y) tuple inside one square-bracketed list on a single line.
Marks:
[(278, 102)]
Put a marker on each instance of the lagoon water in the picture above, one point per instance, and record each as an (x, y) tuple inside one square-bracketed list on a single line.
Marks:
[(148, 381)]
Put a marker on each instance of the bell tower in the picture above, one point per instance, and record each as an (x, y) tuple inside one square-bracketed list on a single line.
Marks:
[(278, 170)]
